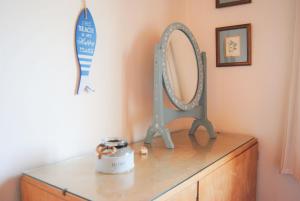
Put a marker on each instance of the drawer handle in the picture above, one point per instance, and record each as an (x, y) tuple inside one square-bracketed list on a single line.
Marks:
[(197, 198), (64, 192)]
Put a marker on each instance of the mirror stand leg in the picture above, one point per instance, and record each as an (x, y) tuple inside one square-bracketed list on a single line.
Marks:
[(194, 127), (210, 129), (150, 134), (206, 124), (165, 133)]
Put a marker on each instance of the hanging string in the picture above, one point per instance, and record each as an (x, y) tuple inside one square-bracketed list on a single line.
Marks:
[(85, 9)]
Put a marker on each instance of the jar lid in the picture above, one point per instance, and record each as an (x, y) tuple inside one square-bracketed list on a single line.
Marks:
[(114, 142)]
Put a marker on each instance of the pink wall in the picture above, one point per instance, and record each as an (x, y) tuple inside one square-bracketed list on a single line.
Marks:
[(252, 99)]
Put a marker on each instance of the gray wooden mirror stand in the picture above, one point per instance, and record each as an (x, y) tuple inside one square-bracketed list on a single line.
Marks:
[(196, 106)]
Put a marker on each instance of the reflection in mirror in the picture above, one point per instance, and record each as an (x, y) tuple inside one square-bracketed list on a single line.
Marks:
[(182, 67)]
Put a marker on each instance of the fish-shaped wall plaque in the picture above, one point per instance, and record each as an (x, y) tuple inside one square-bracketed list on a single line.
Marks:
[(85, 39)]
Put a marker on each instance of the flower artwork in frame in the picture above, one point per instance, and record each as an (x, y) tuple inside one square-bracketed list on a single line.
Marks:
[(233, 45), (226, 3)]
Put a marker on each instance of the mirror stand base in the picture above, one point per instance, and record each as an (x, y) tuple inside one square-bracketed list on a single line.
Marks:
[(165, 133), (206, 124)]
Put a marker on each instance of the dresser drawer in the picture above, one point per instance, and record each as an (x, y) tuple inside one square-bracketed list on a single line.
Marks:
[(33, 190), (233, 181)]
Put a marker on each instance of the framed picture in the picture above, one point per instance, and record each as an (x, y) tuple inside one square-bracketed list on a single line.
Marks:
[(226, 3), (233, 45)]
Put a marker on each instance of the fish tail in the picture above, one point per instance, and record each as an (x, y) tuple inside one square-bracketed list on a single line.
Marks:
[(85, 62)]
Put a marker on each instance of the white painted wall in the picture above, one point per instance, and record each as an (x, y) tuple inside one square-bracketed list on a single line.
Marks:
[(252, 99), (41, 119)]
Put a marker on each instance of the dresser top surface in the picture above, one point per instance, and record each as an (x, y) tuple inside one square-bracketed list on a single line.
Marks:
[(155, 174)]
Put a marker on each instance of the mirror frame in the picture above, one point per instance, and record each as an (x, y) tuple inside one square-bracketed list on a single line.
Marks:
[(164, 45)]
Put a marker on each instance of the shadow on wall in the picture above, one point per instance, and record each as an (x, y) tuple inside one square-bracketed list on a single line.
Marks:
[(138, 84), (10, 189)]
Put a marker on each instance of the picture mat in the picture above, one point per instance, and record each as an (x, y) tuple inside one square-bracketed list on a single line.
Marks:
[(243, 46)]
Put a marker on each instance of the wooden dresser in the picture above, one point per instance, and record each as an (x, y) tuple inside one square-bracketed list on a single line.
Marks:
[(198, 169)]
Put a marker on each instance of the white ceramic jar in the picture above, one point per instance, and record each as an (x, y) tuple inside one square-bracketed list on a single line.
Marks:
[(119, 162)]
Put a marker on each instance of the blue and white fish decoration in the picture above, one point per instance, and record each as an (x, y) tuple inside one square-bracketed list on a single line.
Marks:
[(85, 39)]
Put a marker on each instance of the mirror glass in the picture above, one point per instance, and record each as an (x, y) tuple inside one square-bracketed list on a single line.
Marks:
[(182, 66)]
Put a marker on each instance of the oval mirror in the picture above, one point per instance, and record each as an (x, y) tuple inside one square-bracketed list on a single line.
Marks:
[(182, 67), (182, 70)]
